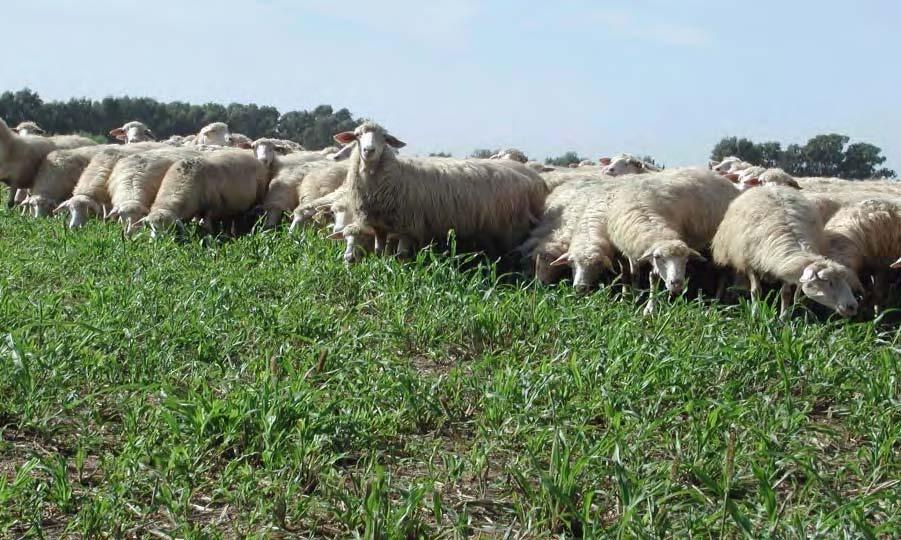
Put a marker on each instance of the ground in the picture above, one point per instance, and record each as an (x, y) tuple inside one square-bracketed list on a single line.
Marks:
[(258, 388)]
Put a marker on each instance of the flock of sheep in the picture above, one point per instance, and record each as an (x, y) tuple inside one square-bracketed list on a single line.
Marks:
[(820, 237)]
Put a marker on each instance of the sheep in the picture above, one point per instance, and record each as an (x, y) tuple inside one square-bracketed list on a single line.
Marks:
[(60, 173), (239, 140), (321, 189), (135, 181), (133, 132), (29, 128), (287, 174), (626, 164), (774, 231), (730, 164), (489, 202), (511, 154), (587, 163), (666, 218), (91, 192), (21, 156), (549, 241), (866, 236), (213, 134), (215, 185)]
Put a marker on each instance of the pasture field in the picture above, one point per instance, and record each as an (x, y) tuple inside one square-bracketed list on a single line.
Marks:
[(259, 388)]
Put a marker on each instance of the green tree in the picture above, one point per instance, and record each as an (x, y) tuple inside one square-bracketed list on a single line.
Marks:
[(483, 153), (440, 154), (565, 160), (733, 146)]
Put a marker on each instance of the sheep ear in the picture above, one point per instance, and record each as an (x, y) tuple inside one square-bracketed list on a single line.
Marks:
[(712, 163), (63, 206), (5, 132), (394, 142), (809, 275), (337, 235), (345, 137), (604, 161), (692, 254), (118, 133), (732, 177), (562, 260), (646, 256), (150, 134), (896, 265)]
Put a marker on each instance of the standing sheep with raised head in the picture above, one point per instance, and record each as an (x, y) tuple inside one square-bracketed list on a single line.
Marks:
[(215, 134), (214, 186), (666, 218), (133, 132), (866, 236), (21, 156), (774, 231), (488, 202)]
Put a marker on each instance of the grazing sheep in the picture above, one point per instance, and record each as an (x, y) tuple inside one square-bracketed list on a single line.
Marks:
[(666, 218), (213, 186), (59, 175), (90, 194), (549, 241), (133, 132), (775, 232), (866, 236), (321, 190), (29, 128), (135, 181), (489, 202), (624, 164), (21, 156)]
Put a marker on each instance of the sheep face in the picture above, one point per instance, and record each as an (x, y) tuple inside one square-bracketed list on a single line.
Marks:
[(372, 139), (727, 165), (549, 266), (831, 285), (237, 140), (265, 151), (668, 260), (897, 264), (40, 206), (623, 165), (587, 273), (133, 132)]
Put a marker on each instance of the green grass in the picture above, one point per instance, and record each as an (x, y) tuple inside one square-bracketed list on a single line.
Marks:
[(258, 388)]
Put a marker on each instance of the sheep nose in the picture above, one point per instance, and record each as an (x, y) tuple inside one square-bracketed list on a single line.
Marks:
[(848, 310), (581, 288), (676, 285)]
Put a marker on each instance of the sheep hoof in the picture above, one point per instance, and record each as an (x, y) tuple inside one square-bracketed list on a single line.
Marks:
[(648, 309)]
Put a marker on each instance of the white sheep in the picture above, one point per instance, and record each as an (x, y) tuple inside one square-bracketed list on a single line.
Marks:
[(59, 174), (665, 218), (491, 203), (29, 128), (214, 186), (624, 164), (866, 236), (322, 191), (511, 154), (134, 181), (21, 156), (239, 140), (549, 241), (133, 132), (90, 193), (775, 232), (287, 174), (215, 134)]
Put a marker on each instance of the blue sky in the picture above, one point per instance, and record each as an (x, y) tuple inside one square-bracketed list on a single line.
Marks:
[(666, 78)]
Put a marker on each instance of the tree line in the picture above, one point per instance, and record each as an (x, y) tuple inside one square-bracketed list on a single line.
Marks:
[(313, 129), (827, 155)]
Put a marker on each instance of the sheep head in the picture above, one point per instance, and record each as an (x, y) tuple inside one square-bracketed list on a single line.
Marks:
[(215, 134), (264, 149), (625, 164), (133, 132), (29, 128), (832, 285), (587, 270), (372, 140), (668, 260)]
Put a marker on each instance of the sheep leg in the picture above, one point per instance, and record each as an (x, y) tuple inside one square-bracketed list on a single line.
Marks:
[(633, 275), (11, 201), (652, 287), (880, 285), (380, 241), (787, 301), (755, 291), (721, 287)]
